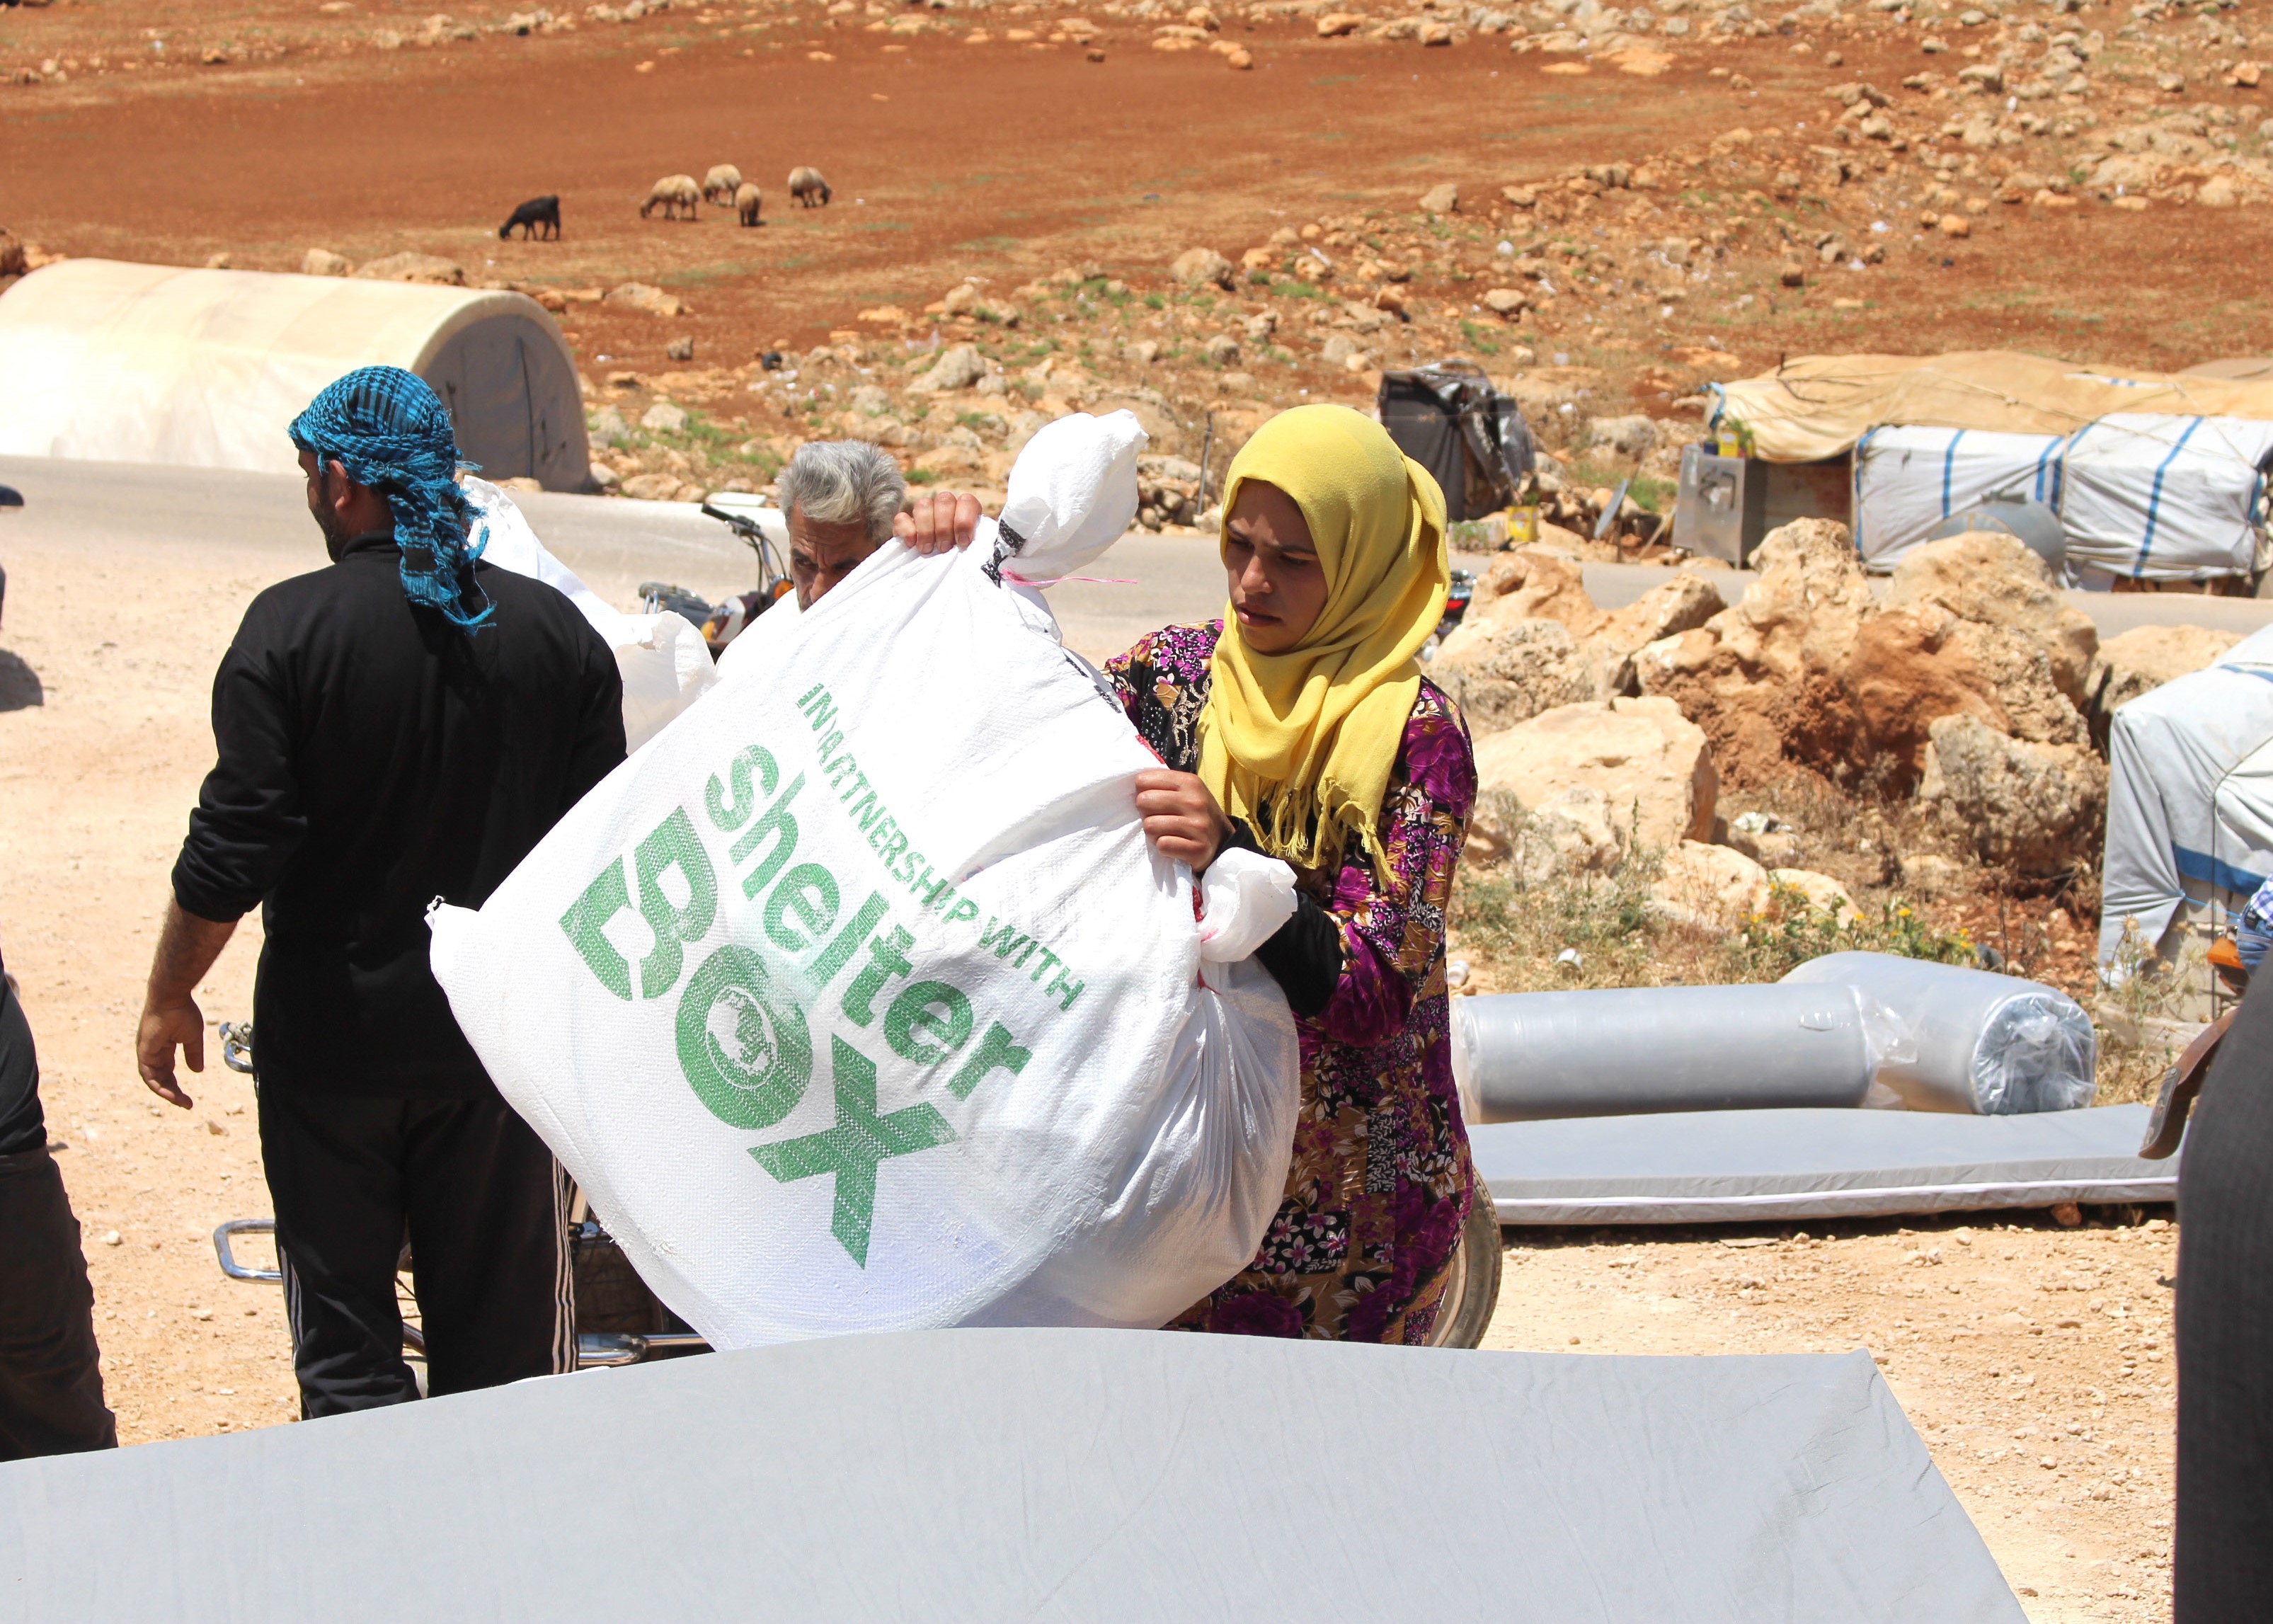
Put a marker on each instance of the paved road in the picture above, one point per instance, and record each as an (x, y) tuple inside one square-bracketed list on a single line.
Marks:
[(615, 543)]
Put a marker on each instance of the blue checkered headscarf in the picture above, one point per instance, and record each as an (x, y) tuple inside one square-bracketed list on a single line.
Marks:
[(392, 432)]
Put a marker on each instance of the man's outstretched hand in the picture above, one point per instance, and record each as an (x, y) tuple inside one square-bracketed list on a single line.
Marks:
[(163, 1026), (937, 521)]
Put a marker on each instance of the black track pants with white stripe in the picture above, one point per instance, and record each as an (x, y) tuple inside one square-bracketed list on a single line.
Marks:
[(485, 1207)]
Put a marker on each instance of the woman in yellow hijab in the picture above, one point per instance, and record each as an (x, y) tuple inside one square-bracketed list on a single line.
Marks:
[(1299, 725)]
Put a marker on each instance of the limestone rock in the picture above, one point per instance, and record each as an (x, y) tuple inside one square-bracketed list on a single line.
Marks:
[(1652, 765), (1199, 268), (1502, 671), (1577, 832), (641, 297), (1660, 612), (1928, 874), (2142, 659), (1535, 582), (1990, 580), (1762, 677), (1631, 438), (957, 368), (652, 487), (1819, 892), (1441, 199), (664, 418), (1708, 887), (1764, 838), (2034, 805), (415, 267), (324, 262)]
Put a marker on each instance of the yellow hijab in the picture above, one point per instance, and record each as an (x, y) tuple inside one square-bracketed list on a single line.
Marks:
[(1300, 745)]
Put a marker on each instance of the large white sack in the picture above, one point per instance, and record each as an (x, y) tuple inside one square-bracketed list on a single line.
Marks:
[(859, 1001), (663, 662)]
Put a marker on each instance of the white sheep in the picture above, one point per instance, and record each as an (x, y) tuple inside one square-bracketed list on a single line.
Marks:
[(674, 193), (808, 187), (720, 184), (747, 200)]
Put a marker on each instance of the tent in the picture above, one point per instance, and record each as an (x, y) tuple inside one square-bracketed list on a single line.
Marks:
[(1048, 1475), (1820, 406), (154, 363), (2144, 495), (1908, 480), (2190, 796), (2164, 498)]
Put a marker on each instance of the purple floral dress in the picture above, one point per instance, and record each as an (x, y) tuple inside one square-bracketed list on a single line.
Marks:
[(1380, 1179)]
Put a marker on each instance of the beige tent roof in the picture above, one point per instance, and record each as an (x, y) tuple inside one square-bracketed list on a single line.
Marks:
[(113, 361), (1818, 406)]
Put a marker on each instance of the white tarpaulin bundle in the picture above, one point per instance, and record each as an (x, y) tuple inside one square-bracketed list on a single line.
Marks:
[(665, 664), (1908, 480), (2189, 795), (2162, 498), (858, 1000)]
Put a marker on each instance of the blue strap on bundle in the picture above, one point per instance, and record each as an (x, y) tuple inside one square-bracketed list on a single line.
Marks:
[(393, 433)]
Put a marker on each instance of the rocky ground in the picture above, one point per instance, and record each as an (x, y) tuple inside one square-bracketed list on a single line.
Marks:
[(1604, 209)]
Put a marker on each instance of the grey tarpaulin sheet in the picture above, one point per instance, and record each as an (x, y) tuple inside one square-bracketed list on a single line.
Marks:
[(1704, 1167), (1056, 1474)]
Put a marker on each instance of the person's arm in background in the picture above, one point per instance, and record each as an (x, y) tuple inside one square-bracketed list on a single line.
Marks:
[(247, 825)]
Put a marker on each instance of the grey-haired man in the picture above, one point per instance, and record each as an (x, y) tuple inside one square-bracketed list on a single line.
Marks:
[(846, 497)]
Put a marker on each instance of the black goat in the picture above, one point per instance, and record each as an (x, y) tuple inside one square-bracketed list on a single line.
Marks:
[(535, 213)]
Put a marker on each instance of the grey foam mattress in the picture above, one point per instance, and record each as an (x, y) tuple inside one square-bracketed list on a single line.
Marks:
[(1090, 1476), (1703, 1167)]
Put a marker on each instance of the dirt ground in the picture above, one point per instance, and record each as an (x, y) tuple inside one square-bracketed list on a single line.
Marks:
[(2035, 1360)]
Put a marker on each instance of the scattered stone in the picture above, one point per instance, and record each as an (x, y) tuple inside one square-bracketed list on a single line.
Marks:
[(1708, 888), (1239, 59), (1333, 25), (1441, 199), (957, 368), (2142, 659), (646, 298), (1927, 874), (608, 428), (1650, 763), (415, 267), (324, 262), (664, 417), (1631, 438), (1507, 301), (1762, 838), (1571, 832), (604, 477), (1819, 893), (1503, 671), (680, 350), (1200, 268), (652, 487), (2033, 806)]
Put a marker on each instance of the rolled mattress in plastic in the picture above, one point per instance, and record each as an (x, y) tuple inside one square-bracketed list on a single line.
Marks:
[(1709, 1167), (1981, 1042), (1521, 1056)]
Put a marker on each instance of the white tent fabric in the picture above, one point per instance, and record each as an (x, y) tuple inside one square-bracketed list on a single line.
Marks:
[(1908, 480), (155, 364), (2189, 795), (2163, 497)]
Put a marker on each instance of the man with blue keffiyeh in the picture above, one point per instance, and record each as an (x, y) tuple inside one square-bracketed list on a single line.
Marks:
[(403, 725)]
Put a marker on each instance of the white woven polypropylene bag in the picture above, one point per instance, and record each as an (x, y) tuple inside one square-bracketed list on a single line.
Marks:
[(859, 999)]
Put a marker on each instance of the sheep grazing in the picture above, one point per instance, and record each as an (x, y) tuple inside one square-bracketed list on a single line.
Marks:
[(721, 184), (747, 199), (545, 212), (673, 192), (808, 187)]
